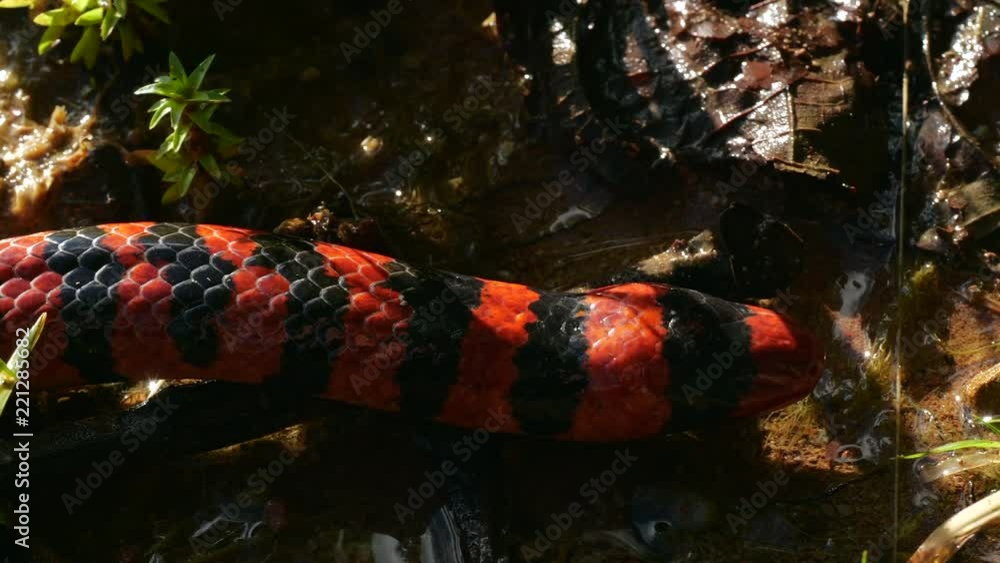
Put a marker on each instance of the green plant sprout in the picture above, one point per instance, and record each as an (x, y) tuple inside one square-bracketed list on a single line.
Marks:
[(963, 444), (8, 370), (946, 539), (99, 20), (194, 139)]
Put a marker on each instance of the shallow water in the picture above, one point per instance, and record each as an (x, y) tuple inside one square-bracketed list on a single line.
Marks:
[(816, 481)]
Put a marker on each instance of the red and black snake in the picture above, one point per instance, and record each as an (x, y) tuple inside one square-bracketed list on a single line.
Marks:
[(165, 300)]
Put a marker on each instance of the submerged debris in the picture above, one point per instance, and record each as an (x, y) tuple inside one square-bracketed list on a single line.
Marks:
[(968, 213), (768, 83), (34, 153)]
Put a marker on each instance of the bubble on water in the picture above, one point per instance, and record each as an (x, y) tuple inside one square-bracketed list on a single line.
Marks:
[(660, 510), (371, 145)]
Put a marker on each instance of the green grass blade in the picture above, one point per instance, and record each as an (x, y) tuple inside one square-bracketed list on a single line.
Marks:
[(988, 423), (8, 379), (960, 445)]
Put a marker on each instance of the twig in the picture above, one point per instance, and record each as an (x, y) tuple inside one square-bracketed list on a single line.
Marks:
[(899, 229), (326, 173), (945, 541), (946, 109)]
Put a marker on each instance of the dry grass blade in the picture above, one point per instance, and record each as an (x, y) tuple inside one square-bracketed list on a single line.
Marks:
[(946, 540)]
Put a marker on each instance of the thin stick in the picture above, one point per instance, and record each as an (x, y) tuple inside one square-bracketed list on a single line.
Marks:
[(899, 228), (946, 540)]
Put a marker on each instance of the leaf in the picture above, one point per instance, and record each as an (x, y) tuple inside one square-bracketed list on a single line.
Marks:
[(204, 113), (79, 5), (153, 8), (58, 16), (211, 96), (180, 188), (211, 166), (178, 172), (980, 216), (173, 194), (166, 163), (159, 110), (202, 118), (8, 379), (198, 74), (17, 3), (167, 88), (87, 47), (108, 23), (91, 17), (177, 69), (176, 112), (960, 445), (175, 141), (120, 6), (128, 40), (225, 137), (50, 38)]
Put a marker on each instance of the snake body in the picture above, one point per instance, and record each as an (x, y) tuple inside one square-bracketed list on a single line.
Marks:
[(166, 300)]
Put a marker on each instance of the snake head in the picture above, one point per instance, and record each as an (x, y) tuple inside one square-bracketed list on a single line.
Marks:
[(787, 358), (733, 360)]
